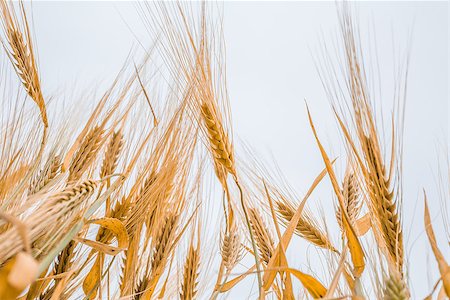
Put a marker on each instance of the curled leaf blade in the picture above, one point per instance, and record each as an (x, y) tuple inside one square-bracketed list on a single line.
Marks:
[(92, 279), (311, 284), (356, 251), (116, 227), (444, 268)]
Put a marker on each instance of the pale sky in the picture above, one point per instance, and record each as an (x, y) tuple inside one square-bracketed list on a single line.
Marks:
[(271, 48)]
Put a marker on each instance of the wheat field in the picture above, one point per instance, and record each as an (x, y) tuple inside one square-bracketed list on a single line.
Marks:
[(141, 188)]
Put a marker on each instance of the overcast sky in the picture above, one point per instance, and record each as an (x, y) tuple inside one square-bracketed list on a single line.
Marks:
[(271, 48)]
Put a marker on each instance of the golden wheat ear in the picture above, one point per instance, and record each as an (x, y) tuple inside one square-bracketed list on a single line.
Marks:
[(208, 98), (356, 115), (18, 45), (112, 154), (19, 48), (352, 199), (86, 153), (263, 237), (231, 248), (45, 175), (190, 275)]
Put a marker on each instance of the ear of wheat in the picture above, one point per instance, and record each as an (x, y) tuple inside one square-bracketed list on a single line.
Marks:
[(49, 172), (262, 236), (190, 276), (86, 153), (304, 227), (112, 154), (350, 191), (395, 288), (21, 54), (364, 146), (231, 249)]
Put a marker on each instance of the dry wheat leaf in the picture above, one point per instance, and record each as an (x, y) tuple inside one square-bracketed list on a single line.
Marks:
[(61, 286), (287, 289), (230, 284), (356, 251), (92, 279), (444, 268), (349, 279), (355, 248), (312, 285), (101, 247), (117, 228)]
